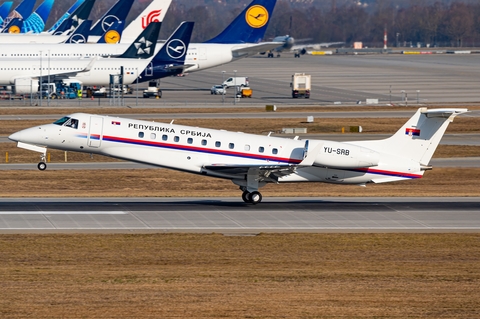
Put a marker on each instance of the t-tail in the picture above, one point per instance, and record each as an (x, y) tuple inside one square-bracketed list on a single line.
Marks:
[(417, 140), (80, 35), (36, 22), (170, 59), (118, 12), (78, 16), (144, 45), (250, 25)]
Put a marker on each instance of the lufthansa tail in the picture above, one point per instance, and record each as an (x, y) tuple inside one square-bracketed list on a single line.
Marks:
[(249, 26)]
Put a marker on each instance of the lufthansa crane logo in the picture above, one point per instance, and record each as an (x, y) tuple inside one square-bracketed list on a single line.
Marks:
[(176, 49), (108, 21), (14, 29), (112, 36), (256, 16)]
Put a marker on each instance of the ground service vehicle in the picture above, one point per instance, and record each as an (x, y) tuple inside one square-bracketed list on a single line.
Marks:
[(244, 92), (218, 89), (236, 81), (66, 89), (153, 90), (301, 85)]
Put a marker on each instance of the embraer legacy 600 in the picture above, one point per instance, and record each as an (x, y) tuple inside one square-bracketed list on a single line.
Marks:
[(249, 161)]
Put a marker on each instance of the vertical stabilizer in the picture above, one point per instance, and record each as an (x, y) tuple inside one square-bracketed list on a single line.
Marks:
[(144, 46), (113, 34), (78, 16), (250, 25), (118, 12), (419, 137), (154, 12), (36, 22), (66, 15), (80, 35), (5, 10)]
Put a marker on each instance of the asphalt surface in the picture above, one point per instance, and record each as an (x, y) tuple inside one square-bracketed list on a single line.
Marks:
[(231, 215)]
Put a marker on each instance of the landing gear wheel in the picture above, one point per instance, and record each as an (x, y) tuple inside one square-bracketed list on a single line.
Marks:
[(255, 197), (246, 196), (42, 166)]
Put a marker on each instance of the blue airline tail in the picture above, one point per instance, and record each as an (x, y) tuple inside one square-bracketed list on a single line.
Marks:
[(78, 16), (113, 34), (170, 59), (66, 15), (36, 21), (118, 12), (144, 45), (250, 25), (23, 10), (14, 26), (5, 9), (80, 35)]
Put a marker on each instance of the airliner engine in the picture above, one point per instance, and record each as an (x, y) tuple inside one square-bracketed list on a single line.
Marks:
[(344, 155)]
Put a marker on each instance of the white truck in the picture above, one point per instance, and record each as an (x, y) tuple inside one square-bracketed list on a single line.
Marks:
[(236, 81), (153, 90), (301, 85)]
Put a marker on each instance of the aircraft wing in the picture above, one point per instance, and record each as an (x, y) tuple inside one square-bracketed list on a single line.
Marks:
[(253, 49), (264, 172), (314, 46)]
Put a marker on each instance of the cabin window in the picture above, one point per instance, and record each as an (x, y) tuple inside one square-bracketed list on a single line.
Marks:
[(153, 136), (247, 147), (261, 149), (190, 140), (141, 134), (204, 142), (176, 138), (231, 146), (218, 144), (164, 137), (274, 151)]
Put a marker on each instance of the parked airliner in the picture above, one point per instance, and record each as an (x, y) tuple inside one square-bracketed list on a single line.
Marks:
[(154, 12), (97, 71), (249, 161)]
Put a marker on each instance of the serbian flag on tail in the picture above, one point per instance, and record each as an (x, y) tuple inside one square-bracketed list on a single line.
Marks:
[(115, 123), (412, 132)]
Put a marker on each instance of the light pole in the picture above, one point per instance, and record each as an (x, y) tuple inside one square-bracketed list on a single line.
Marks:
[(235, 85), (223, 93)]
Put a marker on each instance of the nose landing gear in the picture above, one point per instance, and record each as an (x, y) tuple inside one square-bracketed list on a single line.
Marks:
[(42, 165), (252, 198)]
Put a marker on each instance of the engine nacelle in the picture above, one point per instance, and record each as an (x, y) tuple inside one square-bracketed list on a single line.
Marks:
[(25, 86), (344, 155)]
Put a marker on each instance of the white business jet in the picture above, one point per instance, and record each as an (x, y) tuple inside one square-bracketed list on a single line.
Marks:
[(249, 161)]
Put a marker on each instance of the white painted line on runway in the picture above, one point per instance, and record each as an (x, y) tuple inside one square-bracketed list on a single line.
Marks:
[(63, 213)]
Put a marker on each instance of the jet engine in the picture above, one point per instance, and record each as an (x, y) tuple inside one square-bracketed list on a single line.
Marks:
[(344, 155)]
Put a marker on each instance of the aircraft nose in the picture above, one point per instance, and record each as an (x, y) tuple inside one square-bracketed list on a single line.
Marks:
[(15, 136)]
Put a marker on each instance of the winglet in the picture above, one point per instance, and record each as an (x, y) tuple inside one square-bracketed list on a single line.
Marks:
[(250, 25), (144, 46)]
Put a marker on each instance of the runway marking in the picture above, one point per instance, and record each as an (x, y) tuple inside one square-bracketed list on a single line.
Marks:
[(63, 213)]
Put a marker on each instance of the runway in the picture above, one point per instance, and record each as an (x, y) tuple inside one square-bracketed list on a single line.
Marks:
[(231, 216)]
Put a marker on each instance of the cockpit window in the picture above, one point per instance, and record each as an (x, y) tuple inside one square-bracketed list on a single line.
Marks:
[(61, 121), (68, 122)]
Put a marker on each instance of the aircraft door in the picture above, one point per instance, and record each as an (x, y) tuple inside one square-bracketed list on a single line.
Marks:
[(149, 69), (202, 54), (95, 133)]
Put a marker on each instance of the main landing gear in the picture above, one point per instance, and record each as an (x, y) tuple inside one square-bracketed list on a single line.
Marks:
[(252, 198)]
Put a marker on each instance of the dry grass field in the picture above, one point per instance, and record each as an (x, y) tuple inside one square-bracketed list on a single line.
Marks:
[(264, 276), (215, 276)]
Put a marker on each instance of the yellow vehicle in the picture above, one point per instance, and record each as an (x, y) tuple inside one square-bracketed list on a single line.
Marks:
[(244, 92)]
